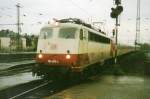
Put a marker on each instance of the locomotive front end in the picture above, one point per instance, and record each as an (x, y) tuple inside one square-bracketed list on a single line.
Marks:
[(57, 48)]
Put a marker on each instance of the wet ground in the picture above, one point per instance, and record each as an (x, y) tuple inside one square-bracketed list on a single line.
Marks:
[(7, 65), (108, 87), (129, 79), (9, 81), (148, 54), (15, 73)]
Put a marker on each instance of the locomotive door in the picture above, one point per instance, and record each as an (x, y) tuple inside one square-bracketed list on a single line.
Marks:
[(83, 42), (83, 47)]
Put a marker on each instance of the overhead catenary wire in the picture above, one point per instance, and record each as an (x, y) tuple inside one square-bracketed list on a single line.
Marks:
[(5, 10), (13, 2), (83, 10)]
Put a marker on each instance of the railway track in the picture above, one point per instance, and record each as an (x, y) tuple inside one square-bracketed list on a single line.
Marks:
[(16, 69), (17, 96), (23, 90), (37, 89)]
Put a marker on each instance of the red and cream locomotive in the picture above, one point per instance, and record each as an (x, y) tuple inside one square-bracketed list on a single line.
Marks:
[(70, 45)]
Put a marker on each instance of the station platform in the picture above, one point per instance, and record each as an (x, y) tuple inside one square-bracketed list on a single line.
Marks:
[(15, 57), (4, 66)]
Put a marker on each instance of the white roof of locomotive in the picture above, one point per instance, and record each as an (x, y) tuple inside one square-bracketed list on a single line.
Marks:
[(79, 26)]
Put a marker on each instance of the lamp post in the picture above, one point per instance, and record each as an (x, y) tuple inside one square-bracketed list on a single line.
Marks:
[(137, 36), (18, 26)]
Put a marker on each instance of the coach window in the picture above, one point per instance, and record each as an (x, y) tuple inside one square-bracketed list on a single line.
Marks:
[(46, 33), (67, 33), (81, 34)]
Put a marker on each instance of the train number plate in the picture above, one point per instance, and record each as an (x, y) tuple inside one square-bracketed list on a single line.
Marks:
[(53, 61)]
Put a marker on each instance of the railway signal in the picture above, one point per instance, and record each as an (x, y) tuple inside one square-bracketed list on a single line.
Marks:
[(117, 2), (114, 14), (116, 11)]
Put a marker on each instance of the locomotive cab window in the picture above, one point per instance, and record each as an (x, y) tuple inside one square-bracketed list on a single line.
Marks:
[(46, 33), (67, 33)]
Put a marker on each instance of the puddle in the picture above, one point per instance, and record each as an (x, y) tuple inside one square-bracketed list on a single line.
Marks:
[(108, 87), (8, 81)]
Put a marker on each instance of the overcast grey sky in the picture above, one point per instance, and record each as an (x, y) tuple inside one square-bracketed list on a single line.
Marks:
[(39, 12)]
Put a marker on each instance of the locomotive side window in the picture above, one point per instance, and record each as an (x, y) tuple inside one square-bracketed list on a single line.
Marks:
[(98, 38), (67, 33), (46, 33), (81, 34)]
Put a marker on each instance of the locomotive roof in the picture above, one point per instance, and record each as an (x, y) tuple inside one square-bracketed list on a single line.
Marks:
[(76, 26)]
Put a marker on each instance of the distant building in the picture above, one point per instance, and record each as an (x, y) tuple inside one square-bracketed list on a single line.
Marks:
[(23, 40), (7, 43), (4, 42)]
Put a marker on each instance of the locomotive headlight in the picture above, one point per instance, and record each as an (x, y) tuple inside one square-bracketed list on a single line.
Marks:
[(40, 56), (68, 56), (56, 24)]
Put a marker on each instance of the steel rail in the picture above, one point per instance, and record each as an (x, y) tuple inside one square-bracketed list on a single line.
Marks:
[(25, 92)]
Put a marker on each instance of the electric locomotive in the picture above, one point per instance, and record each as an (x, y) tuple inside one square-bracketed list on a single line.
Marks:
[(70, 45)]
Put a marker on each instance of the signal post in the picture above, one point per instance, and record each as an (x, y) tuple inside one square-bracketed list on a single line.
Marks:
[(114, 14)]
